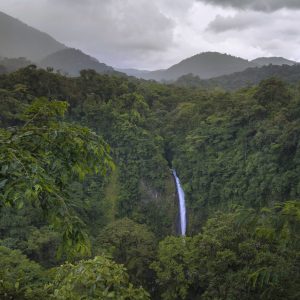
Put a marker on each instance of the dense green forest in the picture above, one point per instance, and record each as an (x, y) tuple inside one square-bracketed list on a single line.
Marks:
[(88, 204)]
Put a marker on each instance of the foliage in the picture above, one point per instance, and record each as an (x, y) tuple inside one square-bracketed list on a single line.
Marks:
[(237, 148), (98, 278), (244, 79), (38, 161), (13, 64), (20, 278), (132, 245), (175, 267), (239, 255), (237, 156)]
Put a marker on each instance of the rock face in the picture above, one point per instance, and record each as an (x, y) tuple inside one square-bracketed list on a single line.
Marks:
[(163, 207), (20, 40)]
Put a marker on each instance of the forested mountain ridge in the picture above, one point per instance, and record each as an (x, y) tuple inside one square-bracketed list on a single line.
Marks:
[(8, 65), (247, 78), (208, 65), (236, 153), (277, 61), (134, 72)]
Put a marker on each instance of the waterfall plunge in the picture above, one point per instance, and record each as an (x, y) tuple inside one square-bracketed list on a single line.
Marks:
[(182, 210)]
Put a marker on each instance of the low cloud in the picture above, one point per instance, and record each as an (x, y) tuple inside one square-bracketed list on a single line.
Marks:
[(257, 5), (116, 27), (238, 22)]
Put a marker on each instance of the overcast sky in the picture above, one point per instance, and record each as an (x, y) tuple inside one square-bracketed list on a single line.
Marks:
[(152, 34)]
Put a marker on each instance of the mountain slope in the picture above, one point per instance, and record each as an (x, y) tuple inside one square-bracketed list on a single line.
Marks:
[(253, 76), (134, 72), (279, 61), (205, 65), (249, 77), (13, 64), (72, 61), (20, 40)]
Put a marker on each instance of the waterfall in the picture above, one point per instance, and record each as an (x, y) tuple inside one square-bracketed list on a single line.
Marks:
[(182, 210)]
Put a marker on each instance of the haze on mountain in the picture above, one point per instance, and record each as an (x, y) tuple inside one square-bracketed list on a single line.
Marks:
[(209, 65), (246, 78), (20, 40), (277, 61), (253, 76), (134, 72), (205, 65), (153, 35), (72, 61), (8, 65)]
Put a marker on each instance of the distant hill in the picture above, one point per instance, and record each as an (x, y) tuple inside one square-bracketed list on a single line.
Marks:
[(134, 72), (279, 61), (253, 76), (13, 64), (205, 65), (208, 65), (2, 70), (20, 44), (20, 40), (72, 61), (249, 77)]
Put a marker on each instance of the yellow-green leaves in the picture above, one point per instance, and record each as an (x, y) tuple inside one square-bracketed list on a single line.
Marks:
[(43, 110), (98, 278)]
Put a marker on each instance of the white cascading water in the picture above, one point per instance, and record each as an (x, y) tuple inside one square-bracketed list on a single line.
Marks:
[(182, 210)]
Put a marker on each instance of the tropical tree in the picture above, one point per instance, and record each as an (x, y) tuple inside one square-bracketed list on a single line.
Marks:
[(98, 278), (39, 160)]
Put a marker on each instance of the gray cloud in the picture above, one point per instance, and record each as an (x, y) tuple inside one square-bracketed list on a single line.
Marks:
[(116, 22), (258, 33), (238, 22), (118, 32), (258, 5)]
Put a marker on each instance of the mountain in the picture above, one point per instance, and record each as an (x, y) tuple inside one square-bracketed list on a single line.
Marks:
[(2, 70), (21, 43), (72, 61), (278, 61), (134, 72), (12, 64), (253, 76), (248, 77), (205, 65), (20, 40)]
